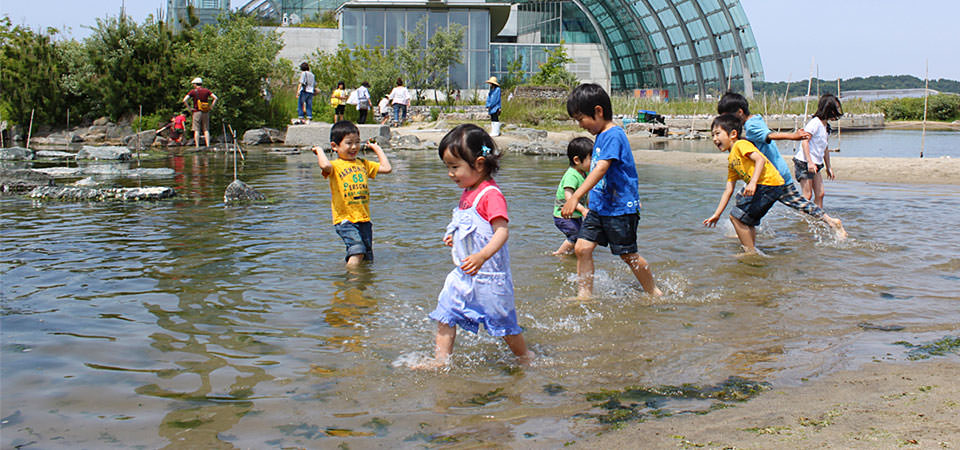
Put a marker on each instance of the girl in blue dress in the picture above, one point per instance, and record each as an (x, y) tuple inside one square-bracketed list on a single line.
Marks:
[(480, 289)]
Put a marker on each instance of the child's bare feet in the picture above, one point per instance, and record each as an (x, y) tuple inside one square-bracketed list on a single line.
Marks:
[(565, 249), (431, 364), (527, 358), (837, 226)]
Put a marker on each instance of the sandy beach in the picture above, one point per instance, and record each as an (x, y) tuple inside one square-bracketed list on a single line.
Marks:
[(880, 405)]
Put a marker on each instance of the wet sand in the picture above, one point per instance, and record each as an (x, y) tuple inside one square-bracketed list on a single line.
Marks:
[(881, 405)]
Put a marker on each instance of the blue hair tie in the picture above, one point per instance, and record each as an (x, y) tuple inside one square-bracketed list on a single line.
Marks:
[(484, 150)]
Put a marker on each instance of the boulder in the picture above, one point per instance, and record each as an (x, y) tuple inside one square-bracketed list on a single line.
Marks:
[(538, 148), (656, 129), (531, 134), (104, 153), (54, 154), (87, 193), (101, 121), (145, 140), (239, 191), (20, 180), (60, 172), (260, 136), (16, 153)]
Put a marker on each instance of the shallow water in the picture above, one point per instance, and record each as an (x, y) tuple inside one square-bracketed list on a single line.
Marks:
[(887, 143), (192, 324)]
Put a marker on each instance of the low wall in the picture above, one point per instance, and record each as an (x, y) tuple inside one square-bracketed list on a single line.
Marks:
[(318, 133), (777, 121)]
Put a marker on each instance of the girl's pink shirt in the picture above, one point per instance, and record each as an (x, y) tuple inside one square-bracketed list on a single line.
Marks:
[(492, 205)]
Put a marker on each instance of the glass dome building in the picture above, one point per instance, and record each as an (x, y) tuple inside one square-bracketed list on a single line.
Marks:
[(688, 47)]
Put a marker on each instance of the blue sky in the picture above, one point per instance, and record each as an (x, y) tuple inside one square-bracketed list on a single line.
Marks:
[(847, 38)]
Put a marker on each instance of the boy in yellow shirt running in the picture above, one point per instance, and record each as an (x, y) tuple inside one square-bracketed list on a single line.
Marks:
[(349, 190), (764, 183)]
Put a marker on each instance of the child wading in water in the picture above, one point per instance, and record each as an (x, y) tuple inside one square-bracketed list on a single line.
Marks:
[(480, 289), (764, 183), (578, 152), (612, 184), (350, 189), (756, 131), (813, 154)]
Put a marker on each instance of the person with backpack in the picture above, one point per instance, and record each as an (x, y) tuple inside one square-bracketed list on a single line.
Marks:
[(363, 102), (200, 101)]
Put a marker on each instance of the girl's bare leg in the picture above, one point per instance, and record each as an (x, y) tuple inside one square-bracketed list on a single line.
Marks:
[(747, 235), (584, 250), (806, 186), (519, 348), (817, 183), (641, 270), (446, 334)]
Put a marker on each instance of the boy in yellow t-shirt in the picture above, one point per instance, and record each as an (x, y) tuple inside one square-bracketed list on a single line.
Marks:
[(764, 183), (349, 190)]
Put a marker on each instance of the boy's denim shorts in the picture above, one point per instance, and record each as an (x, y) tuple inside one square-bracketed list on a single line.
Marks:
[(358, 237), (751, 209), (800, 167), (569, 227), (620, 232)]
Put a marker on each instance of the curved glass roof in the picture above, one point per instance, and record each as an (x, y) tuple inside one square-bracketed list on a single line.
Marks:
[(687, 46)]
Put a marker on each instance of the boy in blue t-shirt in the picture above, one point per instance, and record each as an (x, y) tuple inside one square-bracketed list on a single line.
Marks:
[(612, 184), (756, 131)]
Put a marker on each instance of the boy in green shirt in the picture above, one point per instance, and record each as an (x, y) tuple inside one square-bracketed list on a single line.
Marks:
[(578, 152)]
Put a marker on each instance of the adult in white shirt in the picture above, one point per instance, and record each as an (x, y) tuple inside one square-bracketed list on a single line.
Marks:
[(400, 99), (363, 102), (305, 93), (813, 154)]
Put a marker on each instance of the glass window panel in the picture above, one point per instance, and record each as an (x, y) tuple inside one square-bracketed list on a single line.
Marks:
[(658, 41), (658, 4), (436, 20), (650, 24), (725, 42), (696, 30), (676, 35), (668, 76), (394, 27), (718, 23), (479, 30), (709, 71), (413, 18), (668, 18), (688, 73), (683, 52), (709, 6), (479, 69), (351, 28), (739, 17), (664, 56), (373, 27), (687, 11), (458, 74)]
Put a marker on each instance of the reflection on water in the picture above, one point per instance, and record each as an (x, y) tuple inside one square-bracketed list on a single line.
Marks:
[(191, 324)]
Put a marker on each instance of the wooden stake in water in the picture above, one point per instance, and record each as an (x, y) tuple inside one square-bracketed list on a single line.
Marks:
[(30, 130), (838, 119), (139, 143), (783, 107), (926, 93)]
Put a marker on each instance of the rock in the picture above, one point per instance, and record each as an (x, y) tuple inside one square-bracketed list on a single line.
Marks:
[(239, 191), (259, 136), (161, 172), (104, 153), (87, 193), (408, 140), (54, 154), (101, 121), (88, 181), (76, 138), (538, 148), (145, 140), (641, 128), (60, 172), (20, 180), (16, 153), (531, 134)]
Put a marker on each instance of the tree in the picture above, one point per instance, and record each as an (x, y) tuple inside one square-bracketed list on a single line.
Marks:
[(515, 74), (427, 63), (235, 59), (30, 69), (552, 72)]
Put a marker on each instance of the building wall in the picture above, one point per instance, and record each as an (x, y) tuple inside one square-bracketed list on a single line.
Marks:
[(300, 43), (590, 63)]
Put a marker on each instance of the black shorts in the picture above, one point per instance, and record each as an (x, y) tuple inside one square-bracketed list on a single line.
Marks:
[(340, 109), (751, 209), (620, 232), (800, 167)]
